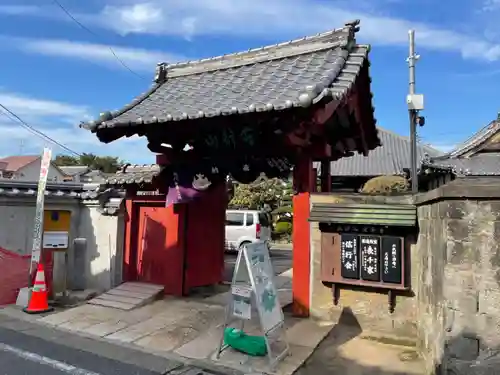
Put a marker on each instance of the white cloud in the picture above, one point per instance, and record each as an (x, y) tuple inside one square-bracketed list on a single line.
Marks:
[(59, 121), (444, 147), (279, 19), (27, 107), (16, 10), (134, 58)]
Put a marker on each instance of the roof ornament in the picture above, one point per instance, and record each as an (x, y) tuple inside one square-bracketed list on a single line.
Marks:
[(105, 116), (161, 72), (354, 24)]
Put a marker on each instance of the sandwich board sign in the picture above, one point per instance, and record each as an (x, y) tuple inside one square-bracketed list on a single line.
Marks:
[(253, 290)]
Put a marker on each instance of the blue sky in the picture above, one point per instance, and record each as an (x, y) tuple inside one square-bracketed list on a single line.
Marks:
[(55, 73)]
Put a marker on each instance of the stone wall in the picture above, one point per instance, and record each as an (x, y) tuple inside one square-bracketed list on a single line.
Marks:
[(455, 277), (458, 296), (370, 310)]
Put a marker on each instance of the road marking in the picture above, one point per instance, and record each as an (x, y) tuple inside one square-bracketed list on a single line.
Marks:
[(33, 357)]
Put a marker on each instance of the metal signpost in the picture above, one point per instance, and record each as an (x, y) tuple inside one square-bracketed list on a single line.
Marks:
[(253, 289), (38, 225)]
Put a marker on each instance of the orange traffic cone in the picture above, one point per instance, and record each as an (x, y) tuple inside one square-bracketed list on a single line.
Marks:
[(39, 301)]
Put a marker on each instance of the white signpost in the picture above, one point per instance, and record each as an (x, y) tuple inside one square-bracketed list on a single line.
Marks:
[(253, 286), (40, 198), (24, 293)]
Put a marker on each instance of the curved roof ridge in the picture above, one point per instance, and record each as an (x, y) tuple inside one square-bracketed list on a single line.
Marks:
[(350, 27), (475, 140)]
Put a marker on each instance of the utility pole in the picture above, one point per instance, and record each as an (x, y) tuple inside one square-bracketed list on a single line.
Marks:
[(415, 104)]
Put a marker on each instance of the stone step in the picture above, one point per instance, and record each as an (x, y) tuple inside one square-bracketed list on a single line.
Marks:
[(128, 296), (112, 304)]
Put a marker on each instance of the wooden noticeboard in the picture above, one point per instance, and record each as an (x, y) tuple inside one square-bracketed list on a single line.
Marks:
[(391, 260), (349, 253), (370, 257)]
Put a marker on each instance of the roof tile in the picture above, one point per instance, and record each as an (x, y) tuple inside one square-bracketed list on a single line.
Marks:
[(14, 163), (391, 158), (292, 74)]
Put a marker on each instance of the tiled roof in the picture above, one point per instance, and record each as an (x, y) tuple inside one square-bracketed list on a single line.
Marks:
[(389, 159), (14, 163), (13, 188), (134, 174), (73, 170), (476, 165), (474, 157), (297, 73), (476, 140)]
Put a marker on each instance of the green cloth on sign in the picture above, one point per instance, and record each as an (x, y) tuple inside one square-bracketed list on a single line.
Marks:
[(240, 341)]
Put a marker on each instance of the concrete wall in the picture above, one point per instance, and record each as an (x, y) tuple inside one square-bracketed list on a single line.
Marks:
[(369, 310), (31, 172), (104, 236), (458, 296)]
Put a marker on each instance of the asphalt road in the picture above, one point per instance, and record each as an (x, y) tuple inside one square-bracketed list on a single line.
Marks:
[(22, 354), (281, 259), (30, 349)]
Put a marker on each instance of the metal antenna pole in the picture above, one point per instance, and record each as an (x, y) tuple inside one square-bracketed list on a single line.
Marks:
[(413, 111)]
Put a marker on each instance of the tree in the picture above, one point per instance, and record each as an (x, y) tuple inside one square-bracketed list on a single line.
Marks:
[(253, 196), (107, 164)]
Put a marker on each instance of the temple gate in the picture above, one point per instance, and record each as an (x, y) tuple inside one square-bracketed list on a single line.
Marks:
[(264, 111)]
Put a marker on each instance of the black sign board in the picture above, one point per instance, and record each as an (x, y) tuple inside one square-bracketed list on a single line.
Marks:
[(391, 260), (349, 258), (370, 257)]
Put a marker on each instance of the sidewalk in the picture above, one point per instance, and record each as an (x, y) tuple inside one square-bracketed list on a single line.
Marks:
[(188, 330)]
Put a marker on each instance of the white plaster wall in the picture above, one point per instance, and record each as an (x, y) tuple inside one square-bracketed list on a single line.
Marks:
[(31, 172), (104, 236)]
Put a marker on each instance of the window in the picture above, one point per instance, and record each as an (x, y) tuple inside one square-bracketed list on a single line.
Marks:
[(235, 219), (249, 219)]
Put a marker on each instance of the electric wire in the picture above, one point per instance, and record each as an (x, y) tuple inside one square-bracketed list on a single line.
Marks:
[(73, 18), (17, 119)]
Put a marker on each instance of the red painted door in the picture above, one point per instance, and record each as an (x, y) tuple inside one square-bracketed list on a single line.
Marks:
[(205, 240), (160, 256)]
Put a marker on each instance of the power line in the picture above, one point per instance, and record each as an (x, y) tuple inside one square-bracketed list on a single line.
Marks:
[(15, 118), (57, 3)]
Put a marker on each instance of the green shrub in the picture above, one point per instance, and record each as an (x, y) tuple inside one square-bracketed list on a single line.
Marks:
[(385, 185), (283, 227)]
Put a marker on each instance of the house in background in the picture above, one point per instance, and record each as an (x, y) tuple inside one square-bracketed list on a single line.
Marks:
[(391, 158), (83, 174), (479, 156), (27, 168)]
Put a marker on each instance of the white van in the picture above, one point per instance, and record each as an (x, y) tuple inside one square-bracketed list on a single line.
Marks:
[(246, 226)]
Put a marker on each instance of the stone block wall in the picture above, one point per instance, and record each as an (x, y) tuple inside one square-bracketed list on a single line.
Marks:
[(458, 294)]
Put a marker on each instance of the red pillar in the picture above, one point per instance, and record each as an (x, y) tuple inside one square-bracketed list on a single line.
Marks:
[(304, 180)]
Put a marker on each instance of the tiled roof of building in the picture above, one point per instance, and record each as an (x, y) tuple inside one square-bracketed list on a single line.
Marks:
[(477, 165), (478, 156), (74, 170), (297, 73), (109, 200), (14, 163), (391, 158), (476, 141), (135, 174)]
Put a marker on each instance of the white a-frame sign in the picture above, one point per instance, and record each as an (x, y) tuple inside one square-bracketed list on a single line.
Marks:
[(253, 290)]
